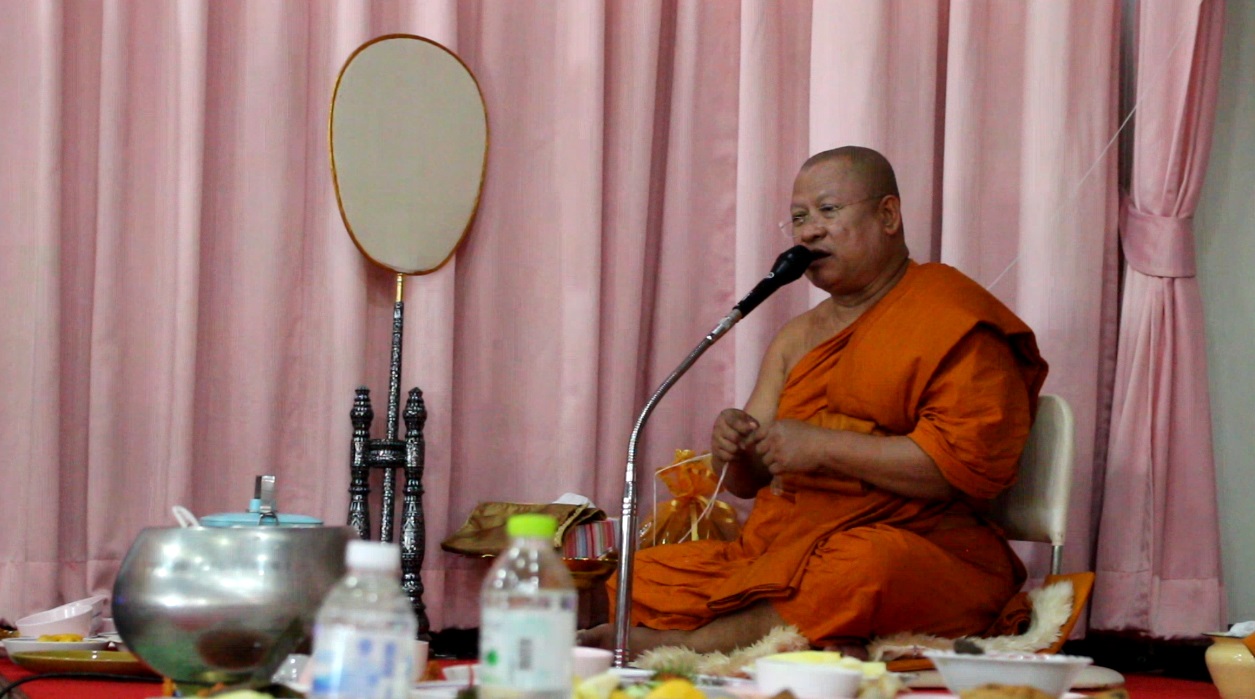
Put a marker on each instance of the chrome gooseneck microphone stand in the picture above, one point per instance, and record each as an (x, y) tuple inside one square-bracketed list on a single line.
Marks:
[(789, 267), (627, 525)]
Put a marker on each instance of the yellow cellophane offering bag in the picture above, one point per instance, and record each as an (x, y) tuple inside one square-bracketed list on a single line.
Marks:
[(694, 511)]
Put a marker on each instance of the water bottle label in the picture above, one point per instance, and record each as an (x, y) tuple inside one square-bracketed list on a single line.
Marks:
[(525, 643), (352, 664)]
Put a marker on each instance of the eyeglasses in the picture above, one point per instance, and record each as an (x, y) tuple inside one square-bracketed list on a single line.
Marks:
[(827, 212)]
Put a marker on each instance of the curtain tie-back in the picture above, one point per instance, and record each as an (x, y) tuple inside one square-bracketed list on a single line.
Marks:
[(1157, 246)]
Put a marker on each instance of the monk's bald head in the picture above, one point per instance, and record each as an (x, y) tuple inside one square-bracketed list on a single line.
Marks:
[(863, 165)]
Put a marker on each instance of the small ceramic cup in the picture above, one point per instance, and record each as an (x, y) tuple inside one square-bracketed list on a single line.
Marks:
[(463, 674), (589, 662), (420, 659)]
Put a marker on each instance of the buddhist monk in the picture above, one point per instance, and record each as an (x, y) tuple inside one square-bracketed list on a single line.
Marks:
[(883, 421)]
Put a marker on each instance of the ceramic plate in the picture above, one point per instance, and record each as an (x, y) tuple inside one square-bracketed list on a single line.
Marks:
[(106, 661), (115, 640), (712, 686), (441, 689), (26, 644), (631, 674), (446, 689), (727, 689)]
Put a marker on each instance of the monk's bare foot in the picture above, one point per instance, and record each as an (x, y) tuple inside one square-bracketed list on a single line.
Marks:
[(640, 638), (850, 650), (725, 634), (600, 636)]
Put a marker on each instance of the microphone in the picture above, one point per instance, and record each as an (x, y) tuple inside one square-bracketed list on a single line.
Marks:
[(788, 268)]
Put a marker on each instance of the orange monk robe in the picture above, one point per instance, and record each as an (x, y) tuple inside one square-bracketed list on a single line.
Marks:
[(937, 359)]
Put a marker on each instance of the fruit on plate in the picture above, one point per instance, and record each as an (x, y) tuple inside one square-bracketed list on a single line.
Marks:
[(609, 686), (61, 637), (676, 689), (600, 686)]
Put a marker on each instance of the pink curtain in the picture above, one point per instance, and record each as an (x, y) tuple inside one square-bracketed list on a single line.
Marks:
[(184, 309), (1158, 559)]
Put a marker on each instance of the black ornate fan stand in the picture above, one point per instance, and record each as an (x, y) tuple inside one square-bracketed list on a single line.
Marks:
[(390, 454)]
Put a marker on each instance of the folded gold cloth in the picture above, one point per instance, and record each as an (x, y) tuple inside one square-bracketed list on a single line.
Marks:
[(484, 533)]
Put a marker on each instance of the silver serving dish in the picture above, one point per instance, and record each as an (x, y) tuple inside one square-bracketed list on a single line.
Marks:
[(203, 606)]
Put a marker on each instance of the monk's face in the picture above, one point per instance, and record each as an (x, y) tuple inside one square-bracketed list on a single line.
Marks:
[(856, 230)]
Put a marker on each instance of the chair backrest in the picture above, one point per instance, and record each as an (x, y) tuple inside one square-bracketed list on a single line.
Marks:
[(1036, 507)]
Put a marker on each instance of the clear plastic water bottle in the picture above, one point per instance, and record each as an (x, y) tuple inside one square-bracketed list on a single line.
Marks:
[(365, 633), (528, 608)]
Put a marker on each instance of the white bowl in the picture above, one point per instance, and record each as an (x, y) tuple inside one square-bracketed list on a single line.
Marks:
[(806, 680), (83, 617), (1052, 674)]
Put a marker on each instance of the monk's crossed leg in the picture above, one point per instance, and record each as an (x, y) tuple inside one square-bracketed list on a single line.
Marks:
[(878, 580)]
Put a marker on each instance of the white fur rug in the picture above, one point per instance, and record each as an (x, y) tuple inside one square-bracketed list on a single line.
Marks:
[(1051, 605), (686, 661)]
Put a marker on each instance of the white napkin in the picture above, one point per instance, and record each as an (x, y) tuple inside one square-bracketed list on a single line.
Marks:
[(1242, 629), (573, 499)]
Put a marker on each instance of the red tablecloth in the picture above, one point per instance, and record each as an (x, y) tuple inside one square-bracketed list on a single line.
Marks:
[(70, 688), (56, 688), (1139, 686)]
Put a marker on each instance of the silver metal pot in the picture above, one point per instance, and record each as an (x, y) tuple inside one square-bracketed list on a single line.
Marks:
[(203, 605)]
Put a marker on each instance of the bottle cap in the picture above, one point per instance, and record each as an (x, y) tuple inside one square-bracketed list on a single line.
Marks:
[(532, 525), (373, 555)]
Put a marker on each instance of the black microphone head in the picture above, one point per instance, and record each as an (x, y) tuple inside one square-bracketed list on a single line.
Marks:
[(792, 263), (788, 268)]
